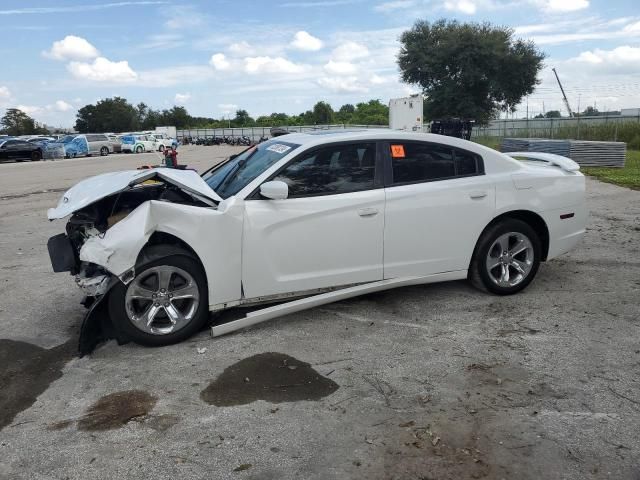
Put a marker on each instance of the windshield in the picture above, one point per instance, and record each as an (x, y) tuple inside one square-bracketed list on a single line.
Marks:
[(232, 176)]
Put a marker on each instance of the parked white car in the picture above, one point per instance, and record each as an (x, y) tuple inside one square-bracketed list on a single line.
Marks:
[(138, 143), (162, 140), (317, 217)]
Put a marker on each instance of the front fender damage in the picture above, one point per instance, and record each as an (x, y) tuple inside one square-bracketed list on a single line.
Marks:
[(116, 251)]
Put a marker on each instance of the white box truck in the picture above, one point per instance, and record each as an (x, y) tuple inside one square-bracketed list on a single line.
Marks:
[(406, 113)]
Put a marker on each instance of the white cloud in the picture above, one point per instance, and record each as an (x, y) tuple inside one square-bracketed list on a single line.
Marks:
[(254, 65), (227, 108), (467, 7), (562, 5), (30, 109), (318, 3), (623, 59), (387, 7), (5, 95), (77, 8), (181, 98), (340, 68), (306, 42), (379, 80), (632, 28), (103, 70), (219, 61), (349, 51), (72, 48), (243, 49), (62, 106), (180, 75), (342, 84)]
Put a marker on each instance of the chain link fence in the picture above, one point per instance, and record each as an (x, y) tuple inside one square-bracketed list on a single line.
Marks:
[(614, 128)]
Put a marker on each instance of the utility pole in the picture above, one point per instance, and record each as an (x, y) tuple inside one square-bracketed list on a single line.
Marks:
[(564, 96)]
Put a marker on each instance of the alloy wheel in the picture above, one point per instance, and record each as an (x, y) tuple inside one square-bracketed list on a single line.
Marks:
[(162, 300), (510, 259)]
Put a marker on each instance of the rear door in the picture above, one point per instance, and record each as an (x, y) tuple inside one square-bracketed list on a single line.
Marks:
[(329, 231), (438, 201)]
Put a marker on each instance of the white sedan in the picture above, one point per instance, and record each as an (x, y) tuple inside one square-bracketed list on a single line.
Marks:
[(309, 218)]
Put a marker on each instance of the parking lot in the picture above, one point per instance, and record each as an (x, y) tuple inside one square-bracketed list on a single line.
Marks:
[(427, 382)]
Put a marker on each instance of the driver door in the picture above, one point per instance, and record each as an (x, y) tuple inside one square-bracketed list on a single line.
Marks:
[(327, 233)]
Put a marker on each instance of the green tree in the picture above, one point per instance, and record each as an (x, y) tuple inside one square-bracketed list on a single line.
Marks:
[(322, 113), (468, 70), (372, 112), (345, 113), (175, 116), (16, 122), (108, 115), (553, 114), (590, 112), (242, 119)]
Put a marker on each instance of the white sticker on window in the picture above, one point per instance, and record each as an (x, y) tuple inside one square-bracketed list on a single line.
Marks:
[(278, 148)]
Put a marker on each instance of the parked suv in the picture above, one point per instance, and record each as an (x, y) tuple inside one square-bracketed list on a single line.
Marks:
[(99, 144)]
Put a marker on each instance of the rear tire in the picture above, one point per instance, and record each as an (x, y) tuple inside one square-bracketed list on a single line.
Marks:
[(161, 148), (167, 272), (36, 156), (506, 258), (104, 151), (138, 149)]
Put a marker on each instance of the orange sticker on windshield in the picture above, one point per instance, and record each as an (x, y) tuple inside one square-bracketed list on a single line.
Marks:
[(397, 151)]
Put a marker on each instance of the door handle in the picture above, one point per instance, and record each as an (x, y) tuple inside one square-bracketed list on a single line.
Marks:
[(477, 195), (368, 212)]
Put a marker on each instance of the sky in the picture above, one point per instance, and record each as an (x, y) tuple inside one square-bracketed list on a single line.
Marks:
[(214, 57)]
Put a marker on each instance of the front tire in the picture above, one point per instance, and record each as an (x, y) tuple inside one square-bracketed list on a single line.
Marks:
[(36, 156), (167, 301), (161, 148), (138, 149), (104, 151), (506, 258)]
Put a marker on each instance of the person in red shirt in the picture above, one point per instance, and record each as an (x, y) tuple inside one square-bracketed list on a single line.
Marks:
[(171, 157)]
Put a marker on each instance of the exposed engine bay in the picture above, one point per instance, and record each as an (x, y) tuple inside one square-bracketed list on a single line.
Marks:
[(100, 216)]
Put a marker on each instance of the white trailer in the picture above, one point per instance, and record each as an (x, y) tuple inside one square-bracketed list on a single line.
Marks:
[(406, 113), (170, 131)]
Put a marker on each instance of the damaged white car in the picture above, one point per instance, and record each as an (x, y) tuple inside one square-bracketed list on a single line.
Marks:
[(309, 218)]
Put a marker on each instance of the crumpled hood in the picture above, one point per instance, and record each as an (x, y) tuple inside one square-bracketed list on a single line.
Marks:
[(96, 188)]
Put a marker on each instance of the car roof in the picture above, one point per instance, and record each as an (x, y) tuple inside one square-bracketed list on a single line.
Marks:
[(319, 137)]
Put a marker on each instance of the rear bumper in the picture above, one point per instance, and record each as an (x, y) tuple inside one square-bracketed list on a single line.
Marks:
[(565, 233)]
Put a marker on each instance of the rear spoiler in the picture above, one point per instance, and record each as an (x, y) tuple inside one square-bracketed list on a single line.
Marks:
[(564, 163)]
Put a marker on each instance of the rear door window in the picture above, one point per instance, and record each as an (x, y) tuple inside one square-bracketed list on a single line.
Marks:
[(417, 162)]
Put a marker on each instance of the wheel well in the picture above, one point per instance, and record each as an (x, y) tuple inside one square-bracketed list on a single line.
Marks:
[(532, 219), (162, 238)]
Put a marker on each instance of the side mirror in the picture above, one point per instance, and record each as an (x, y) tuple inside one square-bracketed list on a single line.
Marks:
[(275, 190)]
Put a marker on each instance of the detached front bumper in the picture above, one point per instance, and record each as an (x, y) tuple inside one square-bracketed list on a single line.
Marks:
[(63, 258)]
